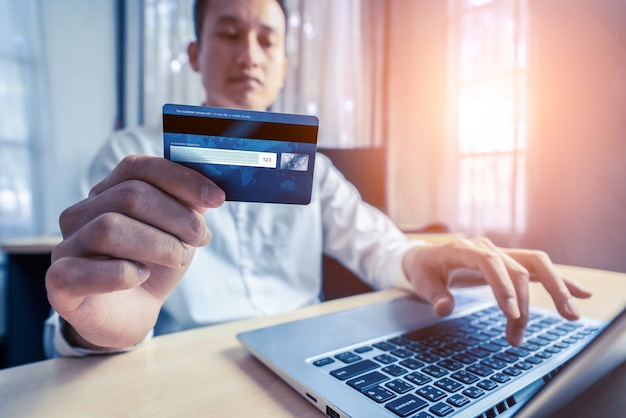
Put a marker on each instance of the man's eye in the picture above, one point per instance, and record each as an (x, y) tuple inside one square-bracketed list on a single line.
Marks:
[(228, 34), (267, 43)]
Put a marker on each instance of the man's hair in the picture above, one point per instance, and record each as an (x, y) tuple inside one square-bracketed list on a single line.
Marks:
[(200, 8)]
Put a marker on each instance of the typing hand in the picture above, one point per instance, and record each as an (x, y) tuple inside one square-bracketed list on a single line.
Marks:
[(432, 270), (126, 247)]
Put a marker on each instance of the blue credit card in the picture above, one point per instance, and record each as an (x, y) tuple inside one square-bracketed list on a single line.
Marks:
[(253, 156)]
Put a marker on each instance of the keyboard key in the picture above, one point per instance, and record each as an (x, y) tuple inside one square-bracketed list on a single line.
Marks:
[(487, 384), (512, 371), (493, 363), (399, 386), (473, 392), (367, 380), (501, 377), (493, 348), (417, 378), (465, 358), (385, 359), (401, 353), (456, 346), (427, 357), (395, 370), (480, 370), (431, 393), (464, 377), (353, 369), (385, 346), (533, 360), (323, 361), (412, 364), (406, 405), (517, 351), (458, 400), (362, 350), (379, 394), (348, 357), (434, 371), (539, 341), (450, 364), (507, 358), (441, 409), (423, 414), (449, 385), (528, 346), (502, 342), (400, 341), (524, 365), (479, 352)]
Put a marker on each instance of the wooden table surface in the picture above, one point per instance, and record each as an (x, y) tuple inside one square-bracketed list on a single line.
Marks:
[(205, 372)]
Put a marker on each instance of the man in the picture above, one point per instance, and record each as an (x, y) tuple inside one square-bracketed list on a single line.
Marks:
[(117, 277)]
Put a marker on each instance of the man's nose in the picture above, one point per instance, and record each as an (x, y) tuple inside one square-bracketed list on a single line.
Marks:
[(251, 53)]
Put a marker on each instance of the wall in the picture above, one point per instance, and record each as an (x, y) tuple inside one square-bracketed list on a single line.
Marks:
[(577, 132), (79, 40)]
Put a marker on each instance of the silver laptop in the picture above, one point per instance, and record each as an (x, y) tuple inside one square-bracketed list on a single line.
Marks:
[(397, 359)]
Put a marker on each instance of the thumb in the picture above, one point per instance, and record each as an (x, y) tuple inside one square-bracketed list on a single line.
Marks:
[(429, 284)]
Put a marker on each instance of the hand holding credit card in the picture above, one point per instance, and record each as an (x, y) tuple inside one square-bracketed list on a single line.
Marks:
[(253, 156)]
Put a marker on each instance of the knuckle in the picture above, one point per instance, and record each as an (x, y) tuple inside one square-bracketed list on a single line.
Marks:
[(131, 197), (67, 219), (129, 163), (106, 226), (542, 256)]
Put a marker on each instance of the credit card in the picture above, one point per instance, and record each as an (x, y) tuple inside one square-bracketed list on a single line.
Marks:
[(253, 156)]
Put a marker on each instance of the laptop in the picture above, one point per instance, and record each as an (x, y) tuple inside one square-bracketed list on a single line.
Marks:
[(398, 359)]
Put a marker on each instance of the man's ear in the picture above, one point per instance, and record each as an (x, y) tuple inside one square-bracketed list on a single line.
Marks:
[(193, 49)]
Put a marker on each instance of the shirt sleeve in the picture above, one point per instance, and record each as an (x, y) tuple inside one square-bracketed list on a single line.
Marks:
[(360, 236), (55, 344)]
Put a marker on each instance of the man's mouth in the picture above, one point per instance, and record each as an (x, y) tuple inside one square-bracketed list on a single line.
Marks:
[(246, 80)]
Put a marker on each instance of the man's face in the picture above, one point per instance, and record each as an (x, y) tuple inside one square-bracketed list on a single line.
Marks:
[(241, 53)]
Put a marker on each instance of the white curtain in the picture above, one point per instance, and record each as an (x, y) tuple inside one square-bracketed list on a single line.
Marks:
[(335, 51), (23, 109), (22, 121)]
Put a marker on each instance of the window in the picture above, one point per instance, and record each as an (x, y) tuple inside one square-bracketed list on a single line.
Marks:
[(19, 71), (488, 59)]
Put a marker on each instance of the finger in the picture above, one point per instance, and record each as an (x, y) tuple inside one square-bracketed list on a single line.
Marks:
[(576, 289), (520, 278), (174, 179), (65, 278), (478, 255), (145, 203), (113, 235), (544, 271), (429, 284)]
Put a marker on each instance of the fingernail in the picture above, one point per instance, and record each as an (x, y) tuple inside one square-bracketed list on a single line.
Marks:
[(212, 195), (512, 310), (144, 272), (571, 308)]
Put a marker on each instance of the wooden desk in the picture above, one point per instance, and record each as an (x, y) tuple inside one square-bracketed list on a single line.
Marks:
[(205, 372)]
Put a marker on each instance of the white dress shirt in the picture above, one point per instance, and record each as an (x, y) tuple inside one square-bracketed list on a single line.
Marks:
[(263, 258)]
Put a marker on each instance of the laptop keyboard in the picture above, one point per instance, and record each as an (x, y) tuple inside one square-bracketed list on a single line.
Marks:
[(439, 370)]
